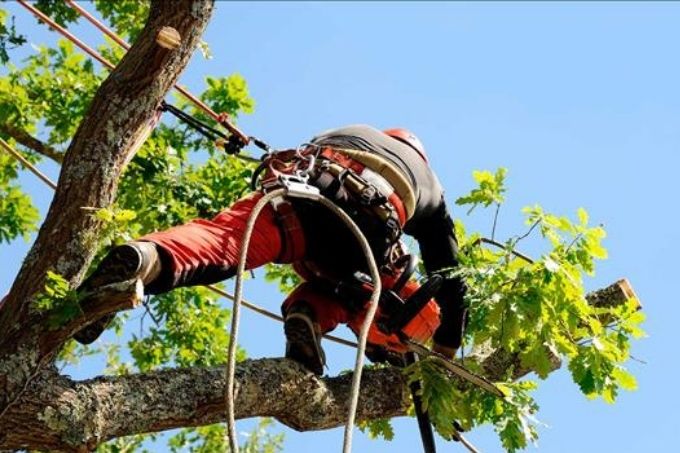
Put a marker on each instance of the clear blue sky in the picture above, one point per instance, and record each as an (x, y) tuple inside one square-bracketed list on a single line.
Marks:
[(579, 101)]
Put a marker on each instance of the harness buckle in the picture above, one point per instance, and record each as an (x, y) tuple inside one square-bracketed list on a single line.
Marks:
[(295, 185), (393, 228), (371, 196)]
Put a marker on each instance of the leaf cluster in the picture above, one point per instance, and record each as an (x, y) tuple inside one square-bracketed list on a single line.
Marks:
[(490, 190), (536, 309), (9, 38), (18, 215), (452, 410), (58, 301)]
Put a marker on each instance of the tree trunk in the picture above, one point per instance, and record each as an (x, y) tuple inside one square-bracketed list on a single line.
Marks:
[(105, 141)]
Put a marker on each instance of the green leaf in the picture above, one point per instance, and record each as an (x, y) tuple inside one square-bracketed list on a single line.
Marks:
[(624, 379), (582, 216), (490, 190), (378, 428)]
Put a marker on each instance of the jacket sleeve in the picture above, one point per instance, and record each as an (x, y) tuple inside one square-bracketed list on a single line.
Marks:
[(439, 250)]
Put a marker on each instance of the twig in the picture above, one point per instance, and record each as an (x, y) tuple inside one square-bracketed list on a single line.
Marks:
[(578, 236), (525, 235), (502, 246), (27, 140), (495, 221), (632, 357)]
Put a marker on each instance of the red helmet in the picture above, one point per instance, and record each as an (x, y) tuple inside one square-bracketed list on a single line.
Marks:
[(408, 137)]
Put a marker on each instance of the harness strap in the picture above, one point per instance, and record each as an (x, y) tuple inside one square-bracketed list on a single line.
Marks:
[(390, 172), (343, 159), (372, 199), (398, 192), (292, 235)]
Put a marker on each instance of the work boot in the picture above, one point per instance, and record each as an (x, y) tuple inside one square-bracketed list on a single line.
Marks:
[(303, 338), (125, 262)]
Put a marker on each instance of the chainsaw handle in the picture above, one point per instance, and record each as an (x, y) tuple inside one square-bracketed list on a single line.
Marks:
[(409, 269), (415, 304)]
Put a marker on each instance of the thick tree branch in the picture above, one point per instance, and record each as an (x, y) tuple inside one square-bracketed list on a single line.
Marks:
[(58, 413), (27, 140), (105, 141), (107, 407)]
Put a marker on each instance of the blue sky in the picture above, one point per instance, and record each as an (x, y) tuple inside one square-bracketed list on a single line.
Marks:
[(579, 101)]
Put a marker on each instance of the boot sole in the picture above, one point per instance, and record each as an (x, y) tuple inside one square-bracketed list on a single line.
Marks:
[(302, 343), (121, 264)]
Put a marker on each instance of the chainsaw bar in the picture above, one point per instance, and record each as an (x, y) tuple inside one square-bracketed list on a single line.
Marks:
[(455, 368)]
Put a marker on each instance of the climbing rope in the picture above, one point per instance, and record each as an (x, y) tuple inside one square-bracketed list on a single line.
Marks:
[(363, 336), (12, 152), (268, 314)]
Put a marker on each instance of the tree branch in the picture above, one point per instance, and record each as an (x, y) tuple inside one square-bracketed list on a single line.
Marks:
[(58, 413), (108, 407), (27, 140)]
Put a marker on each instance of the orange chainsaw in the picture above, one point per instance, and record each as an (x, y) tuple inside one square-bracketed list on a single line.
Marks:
[(407, 316)]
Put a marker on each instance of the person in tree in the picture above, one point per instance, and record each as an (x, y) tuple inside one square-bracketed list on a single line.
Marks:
[(382, 179)]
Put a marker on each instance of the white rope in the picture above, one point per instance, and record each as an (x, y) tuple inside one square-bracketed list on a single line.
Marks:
[(235, 315), (363, 335)]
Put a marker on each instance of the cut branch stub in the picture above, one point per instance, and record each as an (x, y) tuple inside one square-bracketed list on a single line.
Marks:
[(614, 295), (496, 362), (168, 38)]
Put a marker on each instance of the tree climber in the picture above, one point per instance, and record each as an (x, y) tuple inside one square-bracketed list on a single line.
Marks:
[(380, 178)]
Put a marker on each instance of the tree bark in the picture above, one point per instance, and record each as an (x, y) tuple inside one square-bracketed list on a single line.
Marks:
[(105, 141)]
